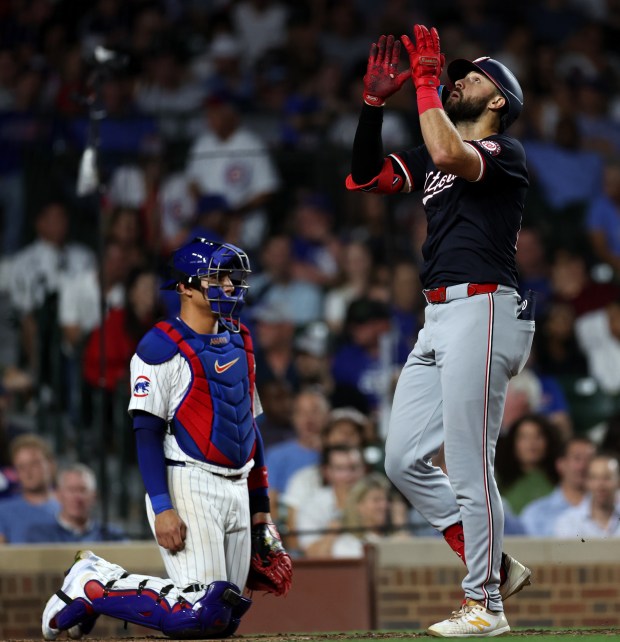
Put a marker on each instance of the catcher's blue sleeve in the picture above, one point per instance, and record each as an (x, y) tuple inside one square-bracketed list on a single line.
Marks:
[(149, 431)]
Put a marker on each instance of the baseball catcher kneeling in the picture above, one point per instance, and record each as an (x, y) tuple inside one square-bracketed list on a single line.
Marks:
[(201, 458)]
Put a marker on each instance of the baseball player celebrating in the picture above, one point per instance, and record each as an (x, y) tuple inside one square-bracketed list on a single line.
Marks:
[(452, 388), (201, 457)]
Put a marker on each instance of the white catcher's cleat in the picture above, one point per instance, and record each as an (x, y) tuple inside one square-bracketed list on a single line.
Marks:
[(518, 576), (72, 588), (472, 620)]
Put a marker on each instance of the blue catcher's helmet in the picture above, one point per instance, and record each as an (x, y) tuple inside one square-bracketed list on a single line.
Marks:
[(201, 259), (500, 76)]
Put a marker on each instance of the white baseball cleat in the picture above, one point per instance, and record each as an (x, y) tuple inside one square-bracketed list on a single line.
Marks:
[(518, 576), (72, 588), (472, 620)]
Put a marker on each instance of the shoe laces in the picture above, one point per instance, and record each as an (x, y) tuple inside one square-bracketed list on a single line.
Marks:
[(466, 607)]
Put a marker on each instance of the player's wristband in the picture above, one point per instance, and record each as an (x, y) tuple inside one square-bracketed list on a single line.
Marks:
[(428, 98), (259, 504), (373, 101), (160, 503)]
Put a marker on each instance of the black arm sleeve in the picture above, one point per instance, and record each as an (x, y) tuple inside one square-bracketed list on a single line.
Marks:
[(367, 154)]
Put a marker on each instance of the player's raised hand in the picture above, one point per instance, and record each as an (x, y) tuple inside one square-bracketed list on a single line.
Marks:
[(170, 531), (425, 56), (381, 79)]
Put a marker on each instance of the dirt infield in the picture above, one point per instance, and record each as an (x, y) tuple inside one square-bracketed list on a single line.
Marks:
[(357, 636)]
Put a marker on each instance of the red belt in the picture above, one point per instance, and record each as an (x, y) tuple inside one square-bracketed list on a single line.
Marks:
[(438, 295)]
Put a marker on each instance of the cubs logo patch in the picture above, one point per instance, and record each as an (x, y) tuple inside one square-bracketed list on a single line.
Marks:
[(142, 386), (493, 147)]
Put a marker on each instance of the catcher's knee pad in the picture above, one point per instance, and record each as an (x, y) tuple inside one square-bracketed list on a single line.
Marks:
[(221, 604)]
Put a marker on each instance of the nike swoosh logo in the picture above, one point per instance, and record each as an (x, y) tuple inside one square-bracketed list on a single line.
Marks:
[(222, 368)]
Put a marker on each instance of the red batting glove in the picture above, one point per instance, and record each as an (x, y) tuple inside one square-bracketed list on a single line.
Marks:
[(381, 79), (425, 57)]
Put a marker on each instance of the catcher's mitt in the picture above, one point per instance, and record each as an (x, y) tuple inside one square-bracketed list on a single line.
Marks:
[(271, 569)]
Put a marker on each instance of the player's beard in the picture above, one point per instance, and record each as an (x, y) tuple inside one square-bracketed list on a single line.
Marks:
[(462, 110)]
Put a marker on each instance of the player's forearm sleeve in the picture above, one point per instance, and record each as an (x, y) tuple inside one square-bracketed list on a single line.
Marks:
[(258, 482), (367, 154), (151, 460)]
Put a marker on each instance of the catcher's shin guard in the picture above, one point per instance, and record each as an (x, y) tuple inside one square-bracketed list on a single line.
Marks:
[(209, 617)]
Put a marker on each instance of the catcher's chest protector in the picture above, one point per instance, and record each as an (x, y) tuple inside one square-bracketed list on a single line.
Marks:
[(215, 421)]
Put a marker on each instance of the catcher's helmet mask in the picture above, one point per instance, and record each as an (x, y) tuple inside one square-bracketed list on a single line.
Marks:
[(500, 76), (204, 266)]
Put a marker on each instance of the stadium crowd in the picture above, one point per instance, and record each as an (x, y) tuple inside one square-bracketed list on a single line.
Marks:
[(234, 120)]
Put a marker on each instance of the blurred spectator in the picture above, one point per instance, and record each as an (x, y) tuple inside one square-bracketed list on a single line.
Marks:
[(566, 173), (610, 442), (212, 220), (146, 184), (356, 266), (227, 75), (553, 21), (9, 483), (603, 218), (357, 362), (538, 517), (526, 457), (35, 467), (169, 93), (79, 310), (273, 333), (70, 83), (231, 160), (260, 25), (553, 401), (523, 397), (598, 516), (407, 307), (77, 496), (123, 327), (557, 350), (599, 131), (8, 77), (312, 358), (533, 266), (373, 512), (342, 467), (36, 274), (105, 23), (598, 337), (310, 414), (276, 396), (345, 427), (126, 227), (572, 283), (315, 247), (344, 38), (299, 301)]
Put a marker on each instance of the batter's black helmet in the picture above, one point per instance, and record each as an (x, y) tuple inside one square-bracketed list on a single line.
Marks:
[(500, 76)]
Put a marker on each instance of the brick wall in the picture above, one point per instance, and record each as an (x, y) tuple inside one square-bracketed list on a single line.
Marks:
[(403, 585), (29, 575), (575, 584)]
